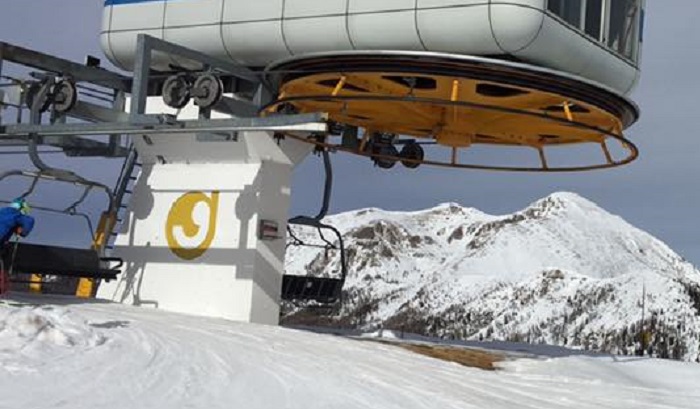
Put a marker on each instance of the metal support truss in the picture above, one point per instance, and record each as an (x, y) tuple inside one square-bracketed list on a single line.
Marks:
[(93, 105), (33, 94), (98, 120)]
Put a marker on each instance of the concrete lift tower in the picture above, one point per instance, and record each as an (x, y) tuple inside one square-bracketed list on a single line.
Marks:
[(227, 96)]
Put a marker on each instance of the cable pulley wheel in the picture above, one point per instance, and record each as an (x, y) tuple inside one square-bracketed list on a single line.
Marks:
[(65, 96), (207, 90), (176, 91), (31, 94), (414, 153), (383, 152)]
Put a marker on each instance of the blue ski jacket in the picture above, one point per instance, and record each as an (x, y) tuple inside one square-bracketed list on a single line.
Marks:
[(10, 220)]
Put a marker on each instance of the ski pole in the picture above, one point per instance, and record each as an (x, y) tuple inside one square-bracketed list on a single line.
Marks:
[(12, 259), (3, 290)]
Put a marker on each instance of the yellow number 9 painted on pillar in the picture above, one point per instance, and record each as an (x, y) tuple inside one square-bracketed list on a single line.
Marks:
[(189, 230)]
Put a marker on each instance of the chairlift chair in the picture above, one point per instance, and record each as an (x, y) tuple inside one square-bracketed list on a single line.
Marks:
[(321, 290), (51, 260)]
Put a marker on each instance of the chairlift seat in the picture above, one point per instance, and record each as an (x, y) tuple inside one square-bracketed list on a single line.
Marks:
[(323, 290), (62, 261)]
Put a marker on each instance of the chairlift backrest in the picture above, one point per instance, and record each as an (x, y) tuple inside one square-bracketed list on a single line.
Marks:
[(63, 177)]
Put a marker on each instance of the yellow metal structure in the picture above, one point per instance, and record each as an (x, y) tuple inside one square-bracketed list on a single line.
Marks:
[(454, 112), (86, 286), (378, 99), (35, 283)]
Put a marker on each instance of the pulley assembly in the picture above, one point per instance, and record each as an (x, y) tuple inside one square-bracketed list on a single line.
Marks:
[(205, 89), (61, 95)]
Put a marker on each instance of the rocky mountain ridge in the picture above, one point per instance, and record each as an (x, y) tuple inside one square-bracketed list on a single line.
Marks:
[(562, 271)]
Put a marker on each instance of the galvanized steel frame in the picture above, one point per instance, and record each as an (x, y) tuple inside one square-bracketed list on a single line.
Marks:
[(116, 122)]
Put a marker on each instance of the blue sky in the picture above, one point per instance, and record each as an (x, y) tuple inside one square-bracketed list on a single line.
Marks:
[(658, 193)]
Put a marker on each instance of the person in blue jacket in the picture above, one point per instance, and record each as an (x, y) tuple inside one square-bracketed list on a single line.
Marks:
[(15, 219)]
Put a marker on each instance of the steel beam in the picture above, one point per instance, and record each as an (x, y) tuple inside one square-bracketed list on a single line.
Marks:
[(158, 124), (79, 72), (89, 112), (236, 107), (142, 70), (238, 71), (14, 142), (73, 146)]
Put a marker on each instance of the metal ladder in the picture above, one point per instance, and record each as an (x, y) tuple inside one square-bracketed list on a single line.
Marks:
[(124, 188), (112, 220)]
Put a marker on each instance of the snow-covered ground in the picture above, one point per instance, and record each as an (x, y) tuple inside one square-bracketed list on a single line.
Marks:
[(55, 354)]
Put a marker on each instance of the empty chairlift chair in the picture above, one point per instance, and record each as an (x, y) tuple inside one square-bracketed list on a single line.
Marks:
[(322, 290)]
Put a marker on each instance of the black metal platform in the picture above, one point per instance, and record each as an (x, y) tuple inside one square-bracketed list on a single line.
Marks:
[(61, 261), (303, 288)]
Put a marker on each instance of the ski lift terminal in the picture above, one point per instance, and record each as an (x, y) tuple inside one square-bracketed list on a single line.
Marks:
[(210, 127)]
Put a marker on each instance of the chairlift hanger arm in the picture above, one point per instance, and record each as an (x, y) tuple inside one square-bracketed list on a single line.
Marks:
[(317, 221), (34, 139), (328, 185), (327, 190)]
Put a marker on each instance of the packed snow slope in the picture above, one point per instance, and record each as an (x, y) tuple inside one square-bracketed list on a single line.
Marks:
[(561, 271), (107, 356)]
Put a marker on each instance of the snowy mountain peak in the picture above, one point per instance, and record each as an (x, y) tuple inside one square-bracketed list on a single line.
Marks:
[(449, 207), (563, 202), (570, 198), (541, 265), (457, 213), (562, 230)]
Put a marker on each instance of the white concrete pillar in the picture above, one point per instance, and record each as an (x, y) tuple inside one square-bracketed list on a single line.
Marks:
[(190, 240)]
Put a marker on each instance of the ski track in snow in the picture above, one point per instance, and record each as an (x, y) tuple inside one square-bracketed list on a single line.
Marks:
[(99, 355)]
